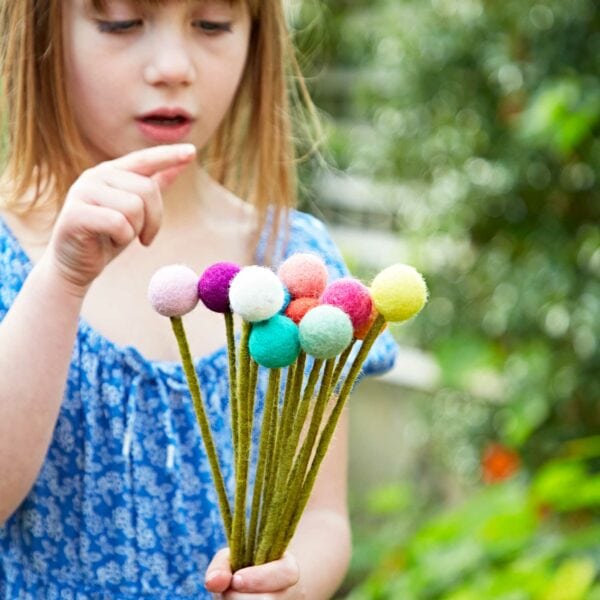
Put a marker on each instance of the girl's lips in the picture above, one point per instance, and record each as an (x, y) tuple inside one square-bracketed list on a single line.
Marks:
[(164, 133)]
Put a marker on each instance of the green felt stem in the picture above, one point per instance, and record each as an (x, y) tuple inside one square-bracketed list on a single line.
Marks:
[(297, 388), (201, 417), (233, 401), (238, 531), (281, 488), (271, 461), (266, 443), (331, 424), (341, 363), (294, 486), (275, 463), (268, 516), (250, 400)]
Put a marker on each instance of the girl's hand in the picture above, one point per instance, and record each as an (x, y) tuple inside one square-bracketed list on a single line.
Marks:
[(277, 580), (109, 206)]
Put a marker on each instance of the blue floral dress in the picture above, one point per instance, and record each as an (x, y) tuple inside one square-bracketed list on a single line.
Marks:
[(124, 506)]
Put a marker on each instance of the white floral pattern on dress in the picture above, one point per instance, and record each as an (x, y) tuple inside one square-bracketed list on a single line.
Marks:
[(124, 506)]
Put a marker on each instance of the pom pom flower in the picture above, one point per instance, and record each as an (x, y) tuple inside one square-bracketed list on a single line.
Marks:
[(274, 343), (172, 291), (304, 275), (352, 297), (399, 293), (325, 331), (256, 294), (213, 287), (297, 426)]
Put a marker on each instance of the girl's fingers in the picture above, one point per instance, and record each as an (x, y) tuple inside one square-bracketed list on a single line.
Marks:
[(218, 573), (150, 161), (99, 220), (148, 190), (131, 206), (270, 577)]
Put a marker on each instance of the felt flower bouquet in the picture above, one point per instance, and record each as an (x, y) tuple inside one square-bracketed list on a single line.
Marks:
[(286, 317)]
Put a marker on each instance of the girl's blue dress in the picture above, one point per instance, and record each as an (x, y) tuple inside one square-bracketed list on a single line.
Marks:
[(124, 505)]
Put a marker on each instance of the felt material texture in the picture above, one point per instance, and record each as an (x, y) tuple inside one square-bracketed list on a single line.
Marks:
[(274, 343), (256, 294), (325, 331), (361, 332), (399, 292), (304, 275), (172, 291), (299, 307), (352, 297), (213, 287), (287, 298)]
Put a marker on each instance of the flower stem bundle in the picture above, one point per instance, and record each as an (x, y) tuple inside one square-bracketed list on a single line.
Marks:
[(301, 331)]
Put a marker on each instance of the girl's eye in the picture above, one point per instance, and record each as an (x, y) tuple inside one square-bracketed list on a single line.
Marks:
[(117, 26), (212, 27)]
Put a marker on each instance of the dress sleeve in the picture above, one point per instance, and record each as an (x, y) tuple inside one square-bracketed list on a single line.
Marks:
[(308, 234)]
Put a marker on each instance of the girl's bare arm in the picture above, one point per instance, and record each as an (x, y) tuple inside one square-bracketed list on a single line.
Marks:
[(106, 209)]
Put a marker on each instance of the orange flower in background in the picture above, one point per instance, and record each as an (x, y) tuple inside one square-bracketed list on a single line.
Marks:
[(499, 463)]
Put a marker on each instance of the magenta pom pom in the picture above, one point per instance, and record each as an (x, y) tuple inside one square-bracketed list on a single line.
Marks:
[(213, 287), (173, 290), (352, 297), (304, 275)]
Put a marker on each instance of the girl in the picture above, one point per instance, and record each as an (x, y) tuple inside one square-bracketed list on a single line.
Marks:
[(134, 127)]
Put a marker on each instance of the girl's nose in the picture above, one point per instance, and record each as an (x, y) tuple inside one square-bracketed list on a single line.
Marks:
[(170, 62)]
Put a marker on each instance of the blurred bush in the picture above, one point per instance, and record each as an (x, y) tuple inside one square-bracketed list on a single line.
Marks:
[(484, 116), (520, 539)]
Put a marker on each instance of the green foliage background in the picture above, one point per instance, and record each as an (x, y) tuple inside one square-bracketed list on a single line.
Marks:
[(484, 117)]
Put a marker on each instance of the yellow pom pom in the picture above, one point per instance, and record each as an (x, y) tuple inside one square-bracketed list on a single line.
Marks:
[(399, 292)]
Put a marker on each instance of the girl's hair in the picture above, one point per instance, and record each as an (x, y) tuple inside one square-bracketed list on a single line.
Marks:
[(252, 152)]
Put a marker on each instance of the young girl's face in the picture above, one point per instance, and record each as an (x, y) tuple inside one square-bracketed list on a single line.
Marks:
[(141, 75)]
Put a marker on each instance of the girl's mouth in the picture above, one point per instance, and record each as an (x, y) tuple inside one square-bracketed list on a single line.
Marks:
[(165, 129), (165, 121)]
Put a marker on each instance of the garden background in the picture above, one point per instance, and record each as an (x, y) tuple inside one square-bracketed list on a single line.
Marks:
[(461, 136)]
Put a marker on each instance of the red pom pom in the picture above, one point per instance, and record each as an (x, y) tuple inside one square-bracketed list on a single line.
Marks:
[(299, 307)]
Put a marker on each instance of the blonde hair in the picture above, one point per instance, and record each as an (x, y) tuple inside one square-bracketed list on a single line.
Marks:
[(252, 153)]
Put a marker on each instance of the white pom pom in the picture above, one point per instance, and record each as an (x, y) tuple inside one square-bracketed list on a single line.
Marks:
[(256, 294)]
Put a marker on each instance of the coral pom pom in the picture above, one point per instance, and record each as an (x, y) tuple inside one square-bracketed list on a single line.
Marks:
[(325, 331), (173, 290), (352, 297), (274, 343), (299, 307), (256, 294), (361, 332), (213, 287), (399, 292), (304, 275)]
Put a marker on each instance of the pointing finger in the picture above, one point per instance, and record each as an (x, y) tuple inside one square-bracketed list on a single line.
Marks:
[(150, 161)]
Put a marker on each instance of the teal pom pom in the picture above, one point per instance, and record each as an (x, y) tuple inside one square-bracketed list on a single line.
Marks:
[(325, 331), (274, 343)]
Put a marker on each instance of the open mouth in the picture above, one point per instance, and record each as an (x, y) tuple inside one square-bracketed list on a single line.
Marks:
[(165, 121)]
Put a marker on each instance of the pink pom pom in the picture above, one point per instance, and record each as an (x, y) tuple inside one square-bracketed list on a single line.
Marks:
[(352, 297), (304, 275), (173, 290)]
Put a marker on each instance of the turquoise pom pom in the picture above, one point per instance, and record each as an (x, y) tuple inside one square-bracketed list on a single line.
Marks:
[(274, 343), (325, 331)]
